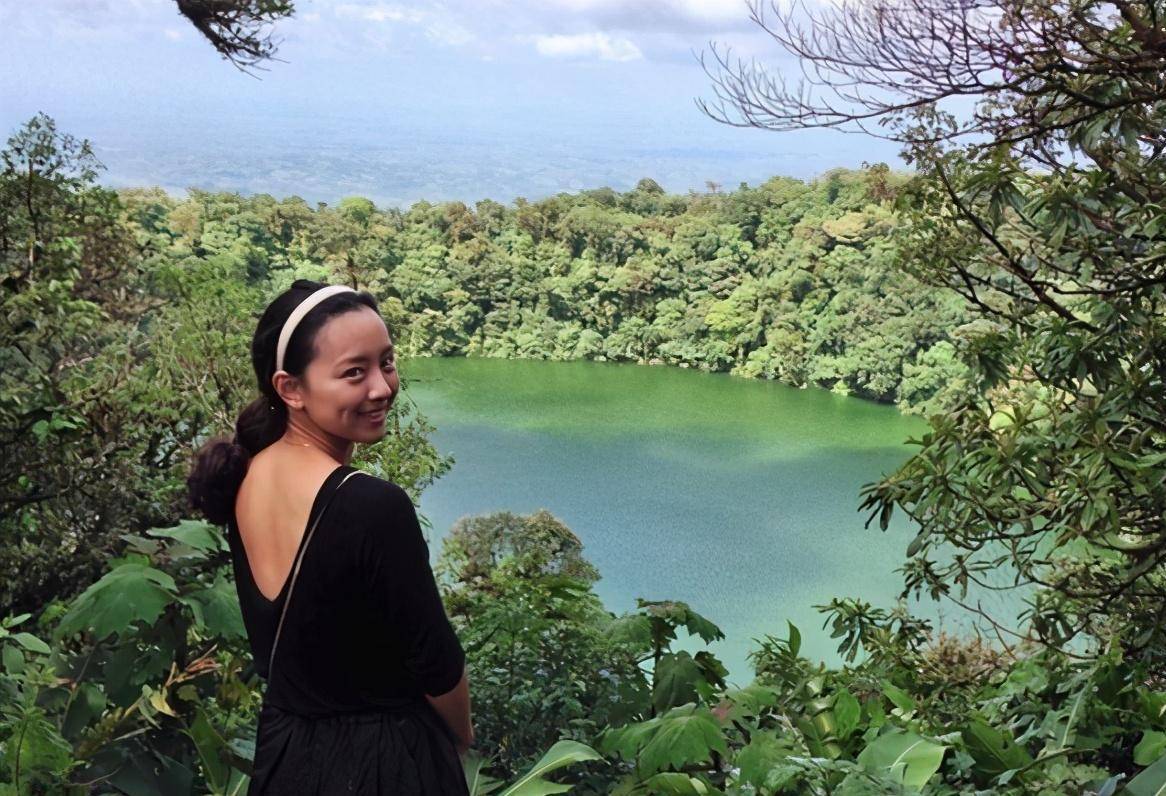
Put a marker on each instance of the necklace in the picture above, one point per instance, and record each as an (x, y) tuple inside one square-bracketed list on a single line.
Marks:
[(301, 444)]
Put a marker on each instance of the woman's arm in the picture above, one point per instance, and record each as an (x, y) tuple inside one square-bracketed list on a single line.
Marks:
[(454, 708), (430, 649)]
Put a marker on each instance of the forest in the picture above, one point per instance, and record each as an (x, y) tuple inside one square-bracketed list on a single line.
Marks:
[(1009, 290), (785, 281)]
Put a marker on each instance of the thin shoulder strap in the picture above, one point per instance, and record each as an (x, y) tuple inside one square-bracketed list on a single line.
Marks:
[(296, 569)]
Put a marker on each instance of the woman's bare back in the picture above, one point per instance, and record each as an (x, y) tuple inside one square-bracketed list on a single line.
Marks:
[(272, 507)]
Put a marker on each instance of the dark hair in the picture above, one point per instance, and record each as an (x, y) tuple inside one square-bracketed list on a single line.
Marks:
[(220, 464)]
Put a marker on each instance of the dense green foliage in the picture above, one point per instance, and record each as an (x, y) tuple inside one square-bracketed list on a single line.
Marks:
[(548, 661), (1054, 465), (790, 281), (145, 687)]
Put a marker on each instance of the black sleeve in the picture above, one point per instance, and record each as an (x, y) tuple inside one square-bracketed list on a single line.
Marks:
[(430, 647)]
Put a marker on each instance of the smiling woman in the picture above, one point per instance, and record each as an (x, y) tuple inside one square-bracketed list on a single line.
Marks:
[(366, 684), (346, 389)]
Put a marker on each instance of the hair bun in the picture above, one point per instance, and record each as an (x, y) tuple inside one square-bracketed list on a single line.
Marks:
[(237, 455), (214, 480)]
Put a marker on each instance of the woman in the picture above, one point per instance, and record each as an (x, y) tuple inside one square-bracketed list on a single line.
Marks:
[(366, 682)]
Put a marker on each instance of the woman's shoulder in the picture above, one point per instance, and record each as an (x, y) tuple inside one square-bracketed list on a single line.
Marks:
[(378, 518), (377, 499), (376, 508)]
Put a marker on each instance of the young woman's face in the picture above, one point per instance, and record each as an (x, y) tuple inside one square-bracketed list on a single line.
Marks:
[(352, 381)]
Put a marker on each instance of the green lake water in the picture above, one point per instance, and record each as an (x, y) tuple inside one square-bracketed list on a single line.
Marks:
[(737, 496)]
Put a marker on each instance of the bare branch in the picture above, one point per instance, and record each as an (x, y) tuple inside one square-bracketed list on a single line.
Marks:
[(237, 28)]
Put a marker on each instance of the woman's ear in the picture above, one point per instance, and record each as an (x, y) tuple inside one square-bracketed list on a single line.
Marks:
[(289, 388)]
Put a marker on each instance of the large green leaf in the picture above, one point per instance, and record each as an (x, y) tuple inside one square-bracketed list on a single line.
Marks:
[(12, 659), (31, 643), (144, 775), (197, 534), (847, 713), (993, 751), (676, 678), (563, 753), (133, 592), (1150, 748), (713, 674), (478, 783), (628, 740), (216, 609), (632, 629), (795, 639), (749, 701), (900, 698), (863, 783), (1151, 782), (761, 762), (904, 757), (87, 704), (698, 625), (1026, 677), (687, 734), (212, 750), (671, 783), (34, 747), (666, 615)]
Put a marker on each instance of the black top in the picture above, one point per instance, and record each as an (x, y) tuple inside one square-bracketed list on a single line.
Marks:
[(364, 637)]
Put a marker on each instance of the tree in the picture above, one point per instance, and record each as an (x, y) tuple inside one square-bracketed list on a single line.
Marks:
[(67, 291), (1043, 208), (537, 544), (545, 657)]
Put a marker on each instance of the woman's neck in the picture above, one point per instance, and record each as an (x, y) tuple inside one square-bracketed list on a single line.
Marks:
[(301, 435)]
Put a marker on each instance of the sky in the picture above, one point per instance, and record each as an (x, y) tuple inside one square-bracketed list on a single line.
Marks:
[(462, 99)]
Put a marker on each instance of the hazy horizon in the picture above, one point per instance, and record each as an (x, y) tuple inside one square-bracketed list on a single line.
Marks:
[(400, 102)]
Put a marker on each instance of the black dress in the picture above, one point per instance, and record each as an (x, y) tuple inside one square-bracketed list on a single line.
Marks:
[(364, 637)]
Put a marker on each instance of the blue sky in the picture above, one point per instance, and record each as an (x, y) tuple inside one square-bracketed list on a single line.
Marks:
[(410, 100)]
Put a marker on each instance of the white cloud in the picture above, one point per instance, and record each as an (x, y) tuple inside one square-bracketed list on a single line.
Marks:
[(443, 31), (634, 29), (380, 12), (690, 16), (600, 45), (435, 22), (722, 11), (172, 34)]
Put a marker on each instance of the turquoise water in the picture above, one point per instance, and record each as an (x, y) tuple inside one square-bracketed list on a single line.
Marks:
[(737, 496)]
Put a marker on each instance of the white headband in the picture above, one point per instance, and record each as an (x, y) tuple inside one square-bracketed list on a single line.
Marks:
[(298, 314)]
